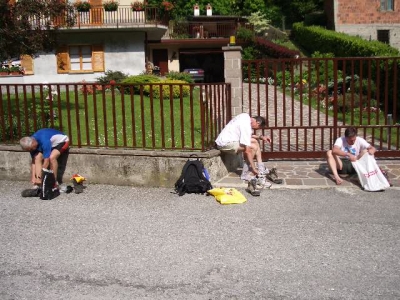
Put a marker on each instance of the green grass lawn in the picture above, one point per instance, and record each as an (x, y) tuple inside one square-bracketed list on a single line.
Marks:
[(115, 120)]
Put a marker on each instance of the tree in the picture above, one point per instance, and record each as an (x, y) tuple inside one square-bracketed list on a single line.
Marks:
[(30, 26), (296, 10)]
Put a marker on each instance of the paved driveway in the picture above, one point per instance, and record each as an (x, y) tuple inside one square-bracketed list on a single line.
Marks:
[(135, 243)]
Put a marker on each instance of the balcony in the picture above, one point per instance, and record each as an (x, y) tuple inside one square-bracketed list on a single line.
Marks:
[(97, 17), (206, 28)]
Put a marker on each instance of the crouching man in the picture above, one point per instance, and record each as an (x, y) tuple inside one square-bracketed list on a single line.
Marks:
[(45, 146), (237, 137), (346, 149)]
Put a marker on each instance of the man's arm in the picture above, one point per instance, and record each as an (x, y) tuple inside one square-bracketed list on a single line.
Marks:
[(371, 150), (46, 163), (265, 138), (336, 150)]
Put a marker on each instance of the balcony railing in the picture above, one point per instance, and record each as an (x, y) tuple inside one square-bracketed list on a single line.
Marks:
[(124, 16), (204, 30)]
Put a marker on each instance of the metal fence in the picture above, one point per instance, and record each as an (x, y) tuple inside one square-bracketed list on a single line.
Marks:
[(146, 116), (309, 102)]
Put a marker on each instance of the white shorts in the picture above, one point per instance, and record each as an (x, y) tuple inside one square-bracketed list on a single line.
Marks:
[(232, 147)]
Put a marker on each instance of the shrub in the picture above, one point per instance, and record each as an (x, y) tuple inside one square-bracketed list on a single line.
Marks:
[(244, 34), (312, 38), (166, 88), (109, 75), (273, 50), (137, 80), (180, 76)]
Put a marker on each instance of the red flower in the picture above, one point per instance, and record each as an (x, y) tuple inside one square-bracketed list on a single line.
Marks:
[(167, 5)]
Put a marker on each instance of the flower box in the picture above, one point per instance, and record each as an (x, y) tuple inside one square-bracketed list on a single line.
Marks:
[(15, 70), (110, 5), (4, 71), (82, 6), (137, 6)]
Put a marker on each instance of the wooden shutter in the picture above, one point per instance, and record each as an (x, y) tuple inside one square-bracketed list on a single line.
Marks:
[(98, 58), (62, 60), (27, 64)]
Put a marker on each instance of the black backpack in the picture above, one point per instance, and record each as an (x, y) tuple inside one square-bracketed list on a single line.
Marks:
[(48, 190), (192, 179)]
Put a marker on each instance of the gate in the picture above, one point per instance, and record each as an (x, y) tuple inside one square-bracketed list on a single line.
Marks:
[(309, 102)]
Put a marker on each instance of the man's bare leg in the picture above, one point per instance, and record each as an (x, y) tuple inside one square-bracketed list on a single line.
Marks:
[(334, 164), (55, 154)]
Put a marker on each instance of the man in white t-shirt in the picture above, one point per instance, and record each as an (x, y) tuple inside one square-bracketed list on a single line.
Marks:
[(237, 136), (346, 149)]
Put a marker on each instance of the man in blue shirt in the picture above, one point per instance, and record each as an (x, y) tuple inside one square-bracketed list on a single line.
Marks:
[(45, 146)]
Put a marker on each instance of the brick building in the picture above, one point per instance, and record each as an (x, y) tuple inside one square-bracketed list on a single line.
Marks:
[(369, 19)]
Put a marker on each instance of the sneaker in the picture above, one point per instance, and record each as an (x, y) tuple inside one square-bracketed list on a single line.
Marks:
[(262, 182), (262, 170), (273, 176), (78, 187), (31, 192)]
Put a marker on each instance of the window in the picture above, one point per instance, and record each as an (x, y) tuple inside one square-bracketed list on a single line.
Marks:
[(384, 36), (80, 59), (387, 5)]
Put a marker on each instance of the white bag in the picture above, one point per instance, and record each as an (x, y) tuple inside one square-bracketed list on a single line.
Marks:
[(369, 174)]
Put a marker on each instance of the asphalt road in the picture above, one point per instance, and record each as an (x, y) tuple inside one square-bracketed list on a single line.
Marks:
[(137, 243)]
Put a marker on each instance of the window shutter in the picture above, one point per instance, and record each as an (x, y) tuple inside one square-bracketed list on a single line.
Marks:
[(62, 60), (27, 64), (98, 58)]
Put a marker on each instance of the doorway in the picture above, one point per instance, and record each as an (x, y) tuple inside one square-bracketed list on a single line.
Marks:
[(160, 59), (212, 62)]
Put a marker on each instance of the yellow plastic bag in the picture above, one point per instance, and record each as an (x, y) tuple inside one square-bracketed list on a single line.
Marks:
[(228, 195)]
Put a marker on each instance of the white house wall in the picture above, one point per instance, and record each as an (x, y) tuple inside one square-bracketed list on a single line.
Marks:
[(369, 31), (123, 51)]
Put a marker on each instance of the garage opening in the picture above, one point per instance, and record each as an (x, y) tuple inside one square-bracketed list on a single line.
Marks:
[(210, 60)]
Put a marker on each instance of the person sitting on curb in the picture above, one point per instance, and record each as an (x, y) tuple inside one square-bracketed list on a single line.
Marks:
[(45, 146), (346, 149), (237, 137)]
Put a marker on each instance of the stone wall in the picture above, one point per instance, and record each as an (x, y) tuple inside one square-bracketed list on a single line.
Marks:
[(119, 167)]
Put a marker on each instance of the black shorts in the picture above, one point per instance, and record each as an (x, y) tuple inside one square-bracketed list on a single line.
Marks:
[(347, 167), (62, 147)]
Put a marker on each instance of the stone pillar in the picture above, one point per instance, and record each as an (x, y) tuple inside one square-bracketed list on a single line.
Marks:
[(233, 75)]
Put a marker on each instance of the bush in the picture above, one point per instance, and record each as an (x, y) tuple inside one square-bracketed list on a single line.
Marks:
[(166, 88), (271, 49), (136, 81), (110, 75), (180, 76), (314, 38), (244, 34)]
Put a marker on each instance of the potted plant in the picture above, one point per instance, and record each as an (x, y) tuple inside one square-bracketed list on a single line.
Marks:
[(4, 70), (82, 6), (137, 6), (110, 5), (15, 70)]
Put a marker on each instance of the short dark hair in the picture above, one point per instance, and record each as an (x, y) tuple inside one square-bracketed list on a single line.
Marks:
[(350, 132), (260, 120)]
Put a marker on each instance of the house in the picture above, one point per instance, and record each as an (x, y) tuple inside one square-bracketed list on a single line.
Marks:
[(369, 19), (196, 43), (100, 40), (127, 40)]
